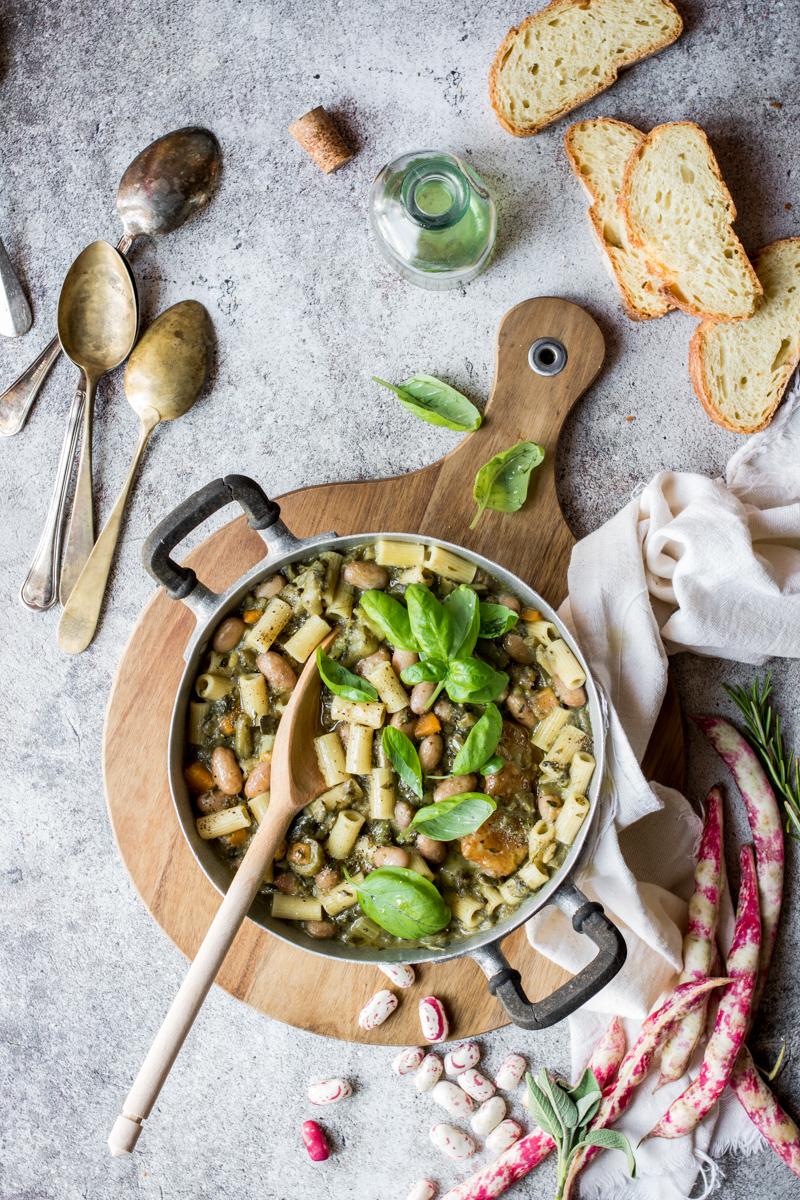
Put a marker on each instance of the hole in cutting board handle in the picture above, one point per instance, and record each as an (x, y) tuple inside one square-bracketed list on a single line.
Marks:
[(547, 356)]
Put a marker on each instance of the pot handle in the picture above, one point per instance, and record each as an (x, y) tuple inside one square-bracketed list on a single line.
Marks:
[(587, 918), (178, 581)]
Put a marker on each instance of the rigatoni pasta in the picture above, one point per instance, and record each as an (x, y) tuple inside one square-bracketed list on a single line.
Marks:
[(331, 759)]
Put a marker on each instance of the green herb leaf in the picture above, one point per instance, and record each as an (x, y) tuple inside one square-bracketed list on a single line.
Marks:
[(402, 902), (435, 402), (495, 620), (470, 681), (495, 764), (342, 682), (610, 1139), (392, 617), (454, 818), (430, 670), (462, 605), (502, 483), (587, 1106), (560, 1099), (481, 742), (403, 756), (431, 623), (764, 735), (586, 1084), (542, 1110)]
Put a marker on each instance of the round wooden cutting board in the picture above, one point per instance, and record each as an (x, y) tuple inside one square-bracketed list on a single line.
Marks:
[(303, 989)]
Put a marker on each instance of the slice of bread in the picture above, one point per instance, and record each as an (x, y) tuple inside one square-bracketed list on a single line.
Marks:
[(679, 212), (598, 151), (570, 51), (740, 370)]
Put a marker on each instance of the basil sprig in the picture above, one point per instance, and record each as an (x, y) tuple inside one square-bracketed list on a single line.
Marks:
[(455, 817), (502, 482), (435, 402), (495, 764), (402, 754), (392, 617), (481, 742), (402, 902), (342, 682), (464, 611), (495, 620)]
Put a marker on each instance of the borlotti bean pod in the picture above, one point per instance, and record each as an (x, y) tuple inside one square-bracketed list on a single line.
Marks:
[(209, 608)]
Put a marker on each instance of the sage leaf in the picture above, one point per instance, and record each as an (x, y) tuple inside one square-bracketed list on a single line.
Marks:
[(502, 483), (431, 623), (403, 756), (454, 817), (567, 1111), (435, 402), (495, 764), (342, 682), (430, 670), (470, 681), (610, 1139), (392, 617), (481, 742), (462, 605), (586, 1084), (542, 1110), (402, 902), (587, 1106), (495, 620)]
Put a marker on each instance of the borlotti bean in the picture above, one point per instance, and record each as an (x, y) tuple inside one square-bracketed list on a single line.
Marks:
[(408, 1060), (401, 976), (433, 1019), (462, 1058), (489, 1116), (476, 1085), (315, 1141), (451, 1097), (423, 1190), (376, 1010), (330, 1091), (429, 1073), (452, 1142), (512, 1068), (503, 1137)]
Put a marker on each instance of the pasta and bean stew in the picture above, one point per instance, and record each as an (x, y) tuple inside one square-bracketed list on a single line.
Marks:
[(456, 746)]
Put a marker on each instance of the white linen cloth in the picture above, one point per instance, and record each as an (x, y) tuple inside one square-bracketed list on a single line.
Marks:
[(691, 563)]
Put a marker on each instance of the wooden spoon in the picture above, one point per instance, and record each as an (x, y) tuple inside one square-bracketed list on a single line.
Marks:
[(296, 781)]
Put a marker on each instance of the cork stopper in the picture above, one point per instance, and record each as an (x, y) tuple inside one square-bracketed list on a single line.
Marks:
[(318, 135)]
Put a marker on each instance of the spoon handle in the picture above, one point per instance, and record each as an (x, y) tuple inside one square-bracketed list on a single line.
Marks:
[(201, 974), (80, 537), (82, 609), (39, 589)]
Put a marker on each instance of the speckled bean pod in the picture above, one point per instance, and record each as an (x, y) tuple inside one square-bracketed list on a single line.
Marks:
[(422, 1190), (733, 1015), (330, 1091), (488, 1116), (451, 1098), (376, 1010), (429, 1073), (462, 1058), (401, 976), (503, 1137), (765, 1112), (315, 1141), (408, 1060), (512, 1068), (476, 1085), (433, 1019), (452, 1142)]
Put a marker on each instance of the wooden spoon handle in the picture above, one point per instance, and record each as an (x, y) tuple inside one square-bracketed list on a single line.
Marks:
[(201, 974)]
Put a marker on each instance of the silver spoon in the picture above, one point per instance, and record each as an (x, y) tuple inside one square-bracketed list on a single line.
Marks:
[(160, 190), (16, 317)]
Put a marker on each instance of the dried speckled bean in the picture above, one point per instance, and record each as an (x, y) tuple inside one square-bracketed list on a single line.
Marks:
[(329, 1091), (512, 1068), (452, 1098), (476, 1085), (433, 1019), (315, 1141), (401, 976), (462, 1058), (503, 1137), (376, 1010), (422, 1190), (489, 1115), (429, 1073), (452, 1142), (408, 1060)]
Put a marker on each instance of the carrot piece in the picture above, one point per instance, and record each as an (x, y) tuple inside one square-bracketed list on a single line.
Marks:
[(227, 725), (251, 615), (429, 723), (198, 778), (530, 614), (543, 702)]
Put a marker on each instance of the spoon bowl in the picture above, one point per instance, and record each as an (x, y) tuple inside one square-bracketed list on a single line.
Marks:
[(168, 182)]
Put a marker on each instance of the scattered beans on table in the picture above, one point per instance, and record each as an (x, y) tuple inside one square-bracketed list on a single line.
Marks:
[(450, 1097), (429, 1073), (512, 1068), (503, 1137), (423, 1190), (315, 1141), (401, 976), (408, 1060), (329, 1091), (433, 1019), (452, 1142), (376, 1010), (489, 1116), (476, 1085), (462, 1058)]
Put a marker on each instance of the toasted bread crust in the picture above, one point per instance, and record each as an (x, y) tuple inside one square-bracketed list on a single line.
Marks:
[(494, 71)]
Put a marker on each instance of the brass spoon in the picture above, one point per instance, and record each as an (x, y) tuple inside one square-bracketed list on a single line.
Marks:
[(296, 781), (171, 179), (98, 316), (165, 374)]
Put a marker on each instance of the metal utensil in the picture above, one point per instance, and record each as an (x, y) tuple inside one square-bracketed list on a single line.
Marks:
[(165, 374), (98, 318), (16, 317), (159, 191)]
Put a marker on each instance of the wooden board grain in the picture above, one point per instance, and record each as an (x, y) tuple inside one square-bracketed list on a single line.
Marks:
[(282, 981)]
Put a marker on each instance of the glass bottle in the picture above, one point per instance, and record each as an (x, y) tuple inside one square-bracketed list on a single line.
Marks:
[(434, 220)]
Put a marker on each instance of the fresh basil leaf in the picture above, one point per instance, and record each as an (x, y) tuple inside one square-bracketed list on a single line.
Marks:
[(470, 681), (462, 605), (435, 402), (587, 1107), (342, 682), (502, 483), (561, 1101), (402, 902), (495, 620), (610, 1139), (586, 1084), (392, 617), (404, 758), (481, 742), (455, 817), (430, 670), (431, 624), (495, 764), (542, 1110)]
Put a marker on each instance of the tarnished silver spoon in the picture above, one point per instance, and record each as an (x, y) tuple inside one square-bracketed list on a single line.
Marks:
[(162, 187)]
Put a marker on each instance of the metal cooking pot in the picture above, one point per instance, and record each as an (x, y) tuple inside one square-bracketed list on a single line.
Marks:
[(209, 608)]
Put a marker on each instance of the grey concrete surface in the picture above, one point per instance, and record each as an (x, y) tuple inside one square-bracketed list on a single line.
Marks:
[(305, 312)]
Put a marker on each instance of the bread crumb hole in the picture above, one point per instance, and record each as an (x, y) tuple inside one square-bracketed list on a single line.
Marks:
[(742, 382), (687, 174)]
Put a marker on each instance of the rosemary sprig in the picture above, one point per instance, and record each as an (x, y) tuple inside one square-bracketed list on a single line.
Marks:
[(764, 735)]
